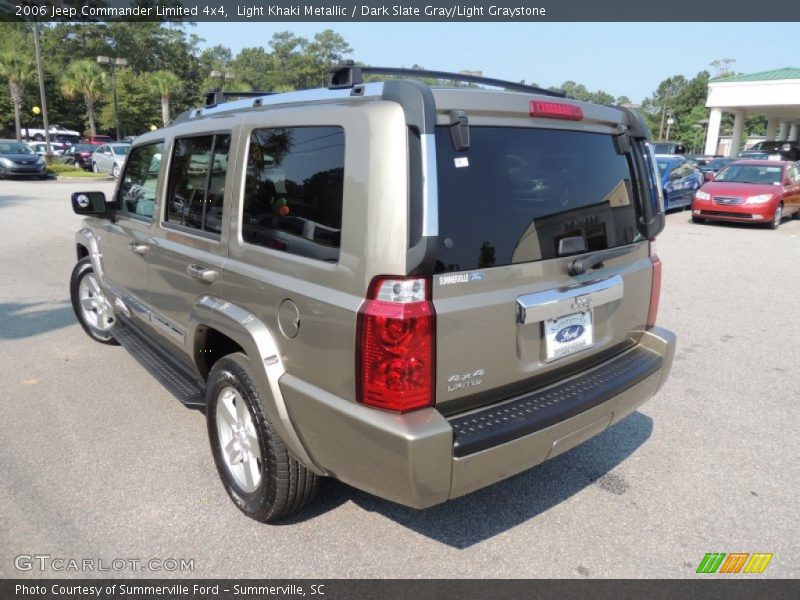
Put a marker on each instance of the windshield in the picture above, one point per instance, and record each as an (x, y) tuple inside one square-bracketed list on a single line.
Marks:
[(14, 148), (120, 150), (663, 148), (760, 174), (768, 146), (515, 193)]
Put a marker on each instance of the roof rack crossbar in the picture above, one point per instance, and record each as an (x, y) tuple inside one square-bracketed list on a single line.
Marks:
[(218, 97), (349, 74)]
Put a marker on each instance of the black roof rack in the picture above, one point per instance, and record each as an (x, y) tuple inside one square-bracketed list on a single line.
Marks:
[(348, 74), (218, 97)]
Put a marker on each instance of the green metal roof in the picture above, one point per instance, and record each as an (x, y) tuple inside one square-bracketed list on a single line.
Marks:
[(784, 73)]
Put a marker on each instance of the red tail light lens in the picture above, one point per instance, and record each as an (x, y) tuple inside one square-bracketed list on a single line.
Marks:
[(395, 337), (555, 110), (655, 290)]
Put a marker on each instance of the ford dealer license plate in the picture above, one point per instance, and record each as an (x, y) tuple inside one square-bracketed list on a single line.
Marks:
[(568, 334)]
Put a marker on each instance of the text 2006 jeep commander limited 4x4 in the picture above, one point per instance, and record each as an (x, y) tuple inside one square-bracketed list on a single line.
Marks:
[(418, 291)]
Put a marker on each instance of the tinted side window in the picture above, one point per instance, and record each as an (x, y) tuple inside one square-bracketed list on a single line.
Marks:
[(196, 185), (137, 191), (293, 190)]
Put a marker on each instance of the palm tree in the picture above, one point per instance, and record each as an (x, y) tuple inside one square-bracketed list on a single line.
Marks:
[(165, 83), (85, 78), (17, 70)]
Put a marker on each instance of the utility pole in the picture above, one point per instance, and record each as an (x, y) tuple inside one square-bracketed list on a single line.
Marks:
[(42, 96)]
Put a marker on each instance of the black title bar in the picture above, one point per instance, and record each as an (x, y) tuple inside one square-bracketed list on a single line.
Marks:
[(327, 11)]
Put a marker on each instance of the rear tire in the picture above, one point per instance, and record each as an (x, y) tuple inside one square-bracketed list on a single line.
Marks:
[(95, 168), (90, 304), (115, 171), (258, 472)]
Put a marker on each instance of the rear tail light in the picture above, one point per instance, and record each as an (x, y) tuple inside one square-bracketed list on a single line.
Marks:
[(555, 110), (395, 345), (655, 289)]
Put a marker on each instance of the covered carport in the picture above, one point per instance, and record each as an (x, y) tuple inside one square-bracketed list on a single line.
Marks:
[(775, 94)]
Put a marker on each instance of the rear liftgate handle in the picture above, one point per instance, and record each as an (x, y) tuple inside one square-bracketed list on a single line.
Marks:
[(202, 273)]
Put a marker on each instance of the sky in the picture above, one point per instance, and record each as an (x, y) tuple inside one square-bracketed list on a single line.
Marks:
[(620, 58)]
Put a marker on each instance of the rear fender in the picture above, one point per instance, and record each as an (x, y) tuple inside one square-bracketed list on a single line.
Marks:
[(259, 344)]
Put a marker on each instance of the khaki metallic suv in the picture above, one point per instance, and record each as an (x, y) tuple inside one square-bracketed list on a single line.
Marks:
[(416, 290)]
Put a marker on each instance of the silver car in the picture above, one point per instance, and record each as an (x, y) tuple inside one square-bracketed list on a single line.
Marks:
[(109, 158)]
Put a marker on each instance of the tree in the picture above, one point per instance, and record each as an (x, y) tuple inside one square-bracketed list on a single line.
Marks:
[(17, 70), (165, 84), (722, 66), (138, 106), (85, 78)]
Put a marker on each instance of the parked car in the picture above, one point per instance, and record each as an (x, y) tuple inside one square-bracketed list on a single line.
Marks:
[(712, 167), (18, 160), (679, 180), (56, 131), (40, 148), (98, 139), (109, 158), (384, 282), (79, 155), (750, 191), (772, 151)]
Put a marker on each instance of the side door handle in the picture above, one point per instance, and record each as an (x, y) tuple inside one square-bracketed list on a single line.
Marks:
[(139, 248), (202, 273)]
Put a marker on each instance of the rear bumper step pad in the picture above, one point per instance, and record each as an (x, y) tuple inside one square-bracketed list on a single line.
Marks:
[(523, 415)]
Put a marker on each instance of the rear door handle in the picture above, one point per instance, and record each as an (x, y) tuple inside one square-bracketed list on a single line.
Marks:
[(202, 273), (139, 248)]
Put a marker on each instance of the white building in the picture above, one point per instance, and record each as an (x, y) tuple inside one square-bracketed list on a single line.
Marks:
[(775, 94)]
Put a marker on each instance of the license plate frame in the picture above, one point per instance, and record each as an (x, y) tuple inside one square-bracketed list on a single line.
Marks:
[(576, 334)]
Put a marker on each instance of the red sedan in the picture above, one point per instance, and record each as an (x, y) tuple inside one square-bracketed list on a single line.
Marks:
[(750, 191)]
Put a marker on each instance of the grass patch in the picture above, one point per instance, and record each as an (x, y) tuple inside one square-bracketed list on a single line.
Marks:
[(67, 170)]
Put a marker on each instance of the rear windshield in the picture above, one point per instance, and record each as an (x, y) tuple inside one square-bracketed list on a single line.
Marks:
[(515, 193)]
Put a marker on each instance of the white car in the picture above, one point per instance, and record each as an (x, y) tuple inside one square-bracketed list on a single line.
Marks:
[(40, 148)]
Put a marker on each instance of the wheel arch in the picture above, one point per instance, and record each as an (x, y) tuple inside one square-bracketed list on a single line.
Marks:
[(87, 244), (217, 327)]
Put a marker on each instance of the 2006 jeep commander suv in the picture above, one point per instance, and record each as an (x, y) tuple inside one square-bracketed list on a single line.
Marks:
[(417, 290)]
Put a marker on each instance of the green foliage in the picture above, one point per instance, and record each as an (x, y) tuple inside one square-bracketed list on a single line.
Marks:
[(17, 70), (146, 96), (139, 107)]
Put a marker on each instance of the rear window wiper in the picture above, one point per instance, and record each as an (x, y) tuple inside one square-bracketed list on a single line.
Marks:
[(579, 266)]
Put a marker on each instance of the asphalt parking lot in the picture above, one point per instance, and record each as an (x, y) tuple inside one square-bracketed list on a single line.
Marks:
[(98, 460)]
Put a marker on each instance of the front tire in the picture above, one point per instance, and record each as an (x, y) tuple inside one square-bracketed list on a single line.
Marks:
[(257, 470), (698, 219), (90, 304), (777, 216), (115, 171)]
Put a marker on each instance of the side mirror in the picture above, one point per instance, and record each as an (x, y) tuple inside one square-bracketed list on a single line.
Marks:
[(708, 175), (90, 203), (674, 175)]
